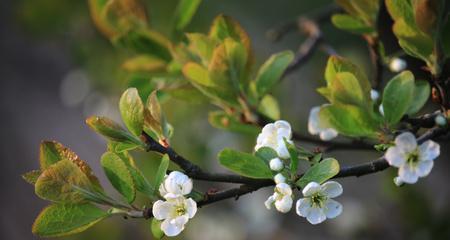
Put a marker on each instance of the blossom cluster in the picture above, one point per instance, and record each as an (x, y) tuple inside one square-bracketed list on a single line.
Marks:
[(176, 210), (317, 204)]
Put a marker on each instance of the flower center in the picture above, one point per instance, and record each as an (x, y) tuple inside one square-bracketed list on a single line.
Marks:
[(413, 158), (180, 210), (317, 200)]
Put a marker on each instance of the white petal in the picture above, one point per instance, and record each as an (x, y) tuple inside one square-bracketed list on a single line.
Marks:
[(268, 129), (310, 189), (406, 142), (332, 189), (279, 178), (429, 150), (191, 207), (313, 121), (395, 156), (423, 168), (374, 94), (284, 133), (187, 187), (328, 134), (397, 65), (171, 229), (180, 220), (281, 124), (302, 207), (268, 203), (407, 174), (332, 208), (162, 210), (284, 189), (172, 196), (315, 215), (276, 164), (284, 205), (381, 109), (282, 150), (178, 183)]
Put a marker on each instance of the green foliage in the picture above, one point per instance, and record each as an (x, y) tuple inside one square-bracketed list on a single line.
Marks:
[(64, 219), (320, 172), (351, 24), (31, 176), (397, 97), (154, 119), (112, 131), (132, 111), (266, 154), (271, 71), (184, 12), (161, 173), (360, 18), (244, 164), (119, 175), (421, 94), (155, 227), (269, 107), (293, 153), (144, 63), (222, 120)]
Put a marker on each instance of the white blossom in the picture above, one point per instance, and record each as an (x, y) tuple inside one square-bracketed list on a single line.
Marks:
[(317, 204), (315, 127), (374, 95), (281, 198), (279, 178), (397, 65), (413, 160), (273, 135), (440, 120), (174, 213), (276, 164), (176, 183)]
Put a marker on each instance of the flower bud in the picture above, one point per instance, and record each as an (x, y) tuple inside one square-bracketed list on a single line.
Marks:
[(276, 164), (397, 65), (279, 178), (440, 120)]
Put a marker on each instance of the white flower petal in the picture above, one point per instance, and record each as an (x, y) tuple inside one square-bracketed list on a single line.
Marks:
[(328, 134), (406, 142), (332, 189), (407, 174), (302, 207), (284, 205), (268, 129), (281, 124), (191, 207), (284, 189), (310, 189), (284, 133), (423, 168), (315, 215), (282, 150), (429, 150), (276, 164), (269, 202), (279, 178), (395, 156), (170, 228), (178, 183), (313, 121), (332, 208), (162, 210)]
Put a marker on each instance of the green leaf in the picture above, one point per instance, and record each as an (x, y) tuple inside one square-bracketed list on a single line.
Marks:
[(31, 176), (293, 155), (351, 24), (197, 74), (272, 70), (145, 41), (187, 93), (161, 173), (144, 63), (64, 219), (266, 154), (320, 172), (421, 94), (202, 46), (111, 130), (184, 12), (156, 229), (397, 96), (346, 89), (244, 164), (349, 120), (57, 181), (269, 107), (132, 111), (221, 120), (119, 175), (220, 71)]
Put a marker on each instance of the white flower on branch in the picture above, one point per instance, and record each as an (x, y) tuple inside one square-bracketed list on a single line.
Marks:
[(175, 213), (317, 204), (276, 164), (397, 65), (281, 198), (374, 95), (176, 183), (316, 128), (413, 161), (273, 135), (279, 178)]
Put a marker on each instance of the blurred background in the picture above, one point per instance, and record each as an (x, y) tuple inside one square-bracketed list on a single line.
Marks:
[(56, 70)]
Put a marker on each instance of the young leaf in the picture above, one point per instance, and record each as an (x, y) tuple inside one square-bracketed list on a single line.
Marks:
[(132, 111), (201, 45), (346, 89), (184, 12), (31, 176), (351, 24), (266, 154), (269, 107), (111, 130), (271, 71), (320, 172), (161, 173), (155, 226), (119, 175), (244, 164), (144, 63), (397, 96), (221, 120), (293, 155), (57, 181), (64, 219), (421, 94)]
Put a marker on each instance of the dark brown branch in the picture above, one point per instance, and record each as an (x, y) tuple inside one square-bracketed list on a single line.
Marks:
[(377, 63)]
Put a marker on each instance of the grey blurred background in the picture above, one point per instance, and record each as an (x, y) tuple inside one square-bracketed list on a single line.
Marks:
[(56, 70)]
